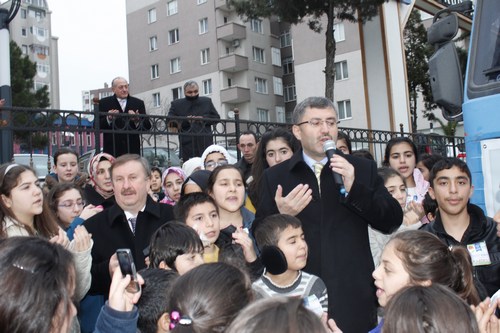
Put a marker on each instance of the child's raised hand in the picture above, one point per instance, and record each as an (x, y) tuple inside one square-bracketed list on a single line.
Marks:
[(119, 298), (81, 239), (90, 210), (241, 237), (485, 316), (61, 239)]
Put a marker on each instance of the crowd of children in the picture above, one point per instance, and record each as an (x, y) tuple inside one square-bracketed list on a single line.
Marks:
[(213, 269)]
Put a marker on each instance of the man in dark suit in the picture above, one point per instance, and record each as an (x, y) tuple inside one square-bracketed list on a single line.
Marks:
[(335, 225), (196, 135), (118, 142), (129, 223)]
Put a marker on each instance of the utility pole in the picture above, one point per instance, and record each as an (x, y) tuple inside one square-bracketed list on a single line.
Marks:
[(7, 145)]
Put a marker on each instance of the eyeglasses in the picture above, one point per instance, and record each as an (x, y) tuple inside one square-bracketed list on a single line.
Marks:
[(213, 164), (71, 204), (316, 122)]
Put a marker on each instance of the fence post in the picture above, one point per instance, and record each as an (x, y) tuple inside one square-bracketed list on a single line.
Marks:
[(97, 136), (237, 131), (401, 129)]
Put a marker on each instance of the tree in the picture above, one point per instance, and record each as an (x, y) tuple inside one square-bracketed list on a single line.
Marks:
[(295, 11), (23, 71), (417, 53)]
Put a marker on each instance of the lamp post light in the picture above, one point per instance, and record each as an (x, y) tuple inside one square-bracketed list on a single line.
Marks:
[(6, 16)]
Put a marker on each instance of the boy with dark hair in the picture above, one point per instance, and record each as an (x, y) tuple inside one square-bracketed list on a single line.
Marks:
[(284, 254), (153, 303), (65, 170), (175, 246), (459, 222)]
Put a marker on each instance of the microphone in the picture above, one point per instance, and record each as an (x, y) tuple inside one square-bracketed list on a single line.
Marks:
[(329, 148)]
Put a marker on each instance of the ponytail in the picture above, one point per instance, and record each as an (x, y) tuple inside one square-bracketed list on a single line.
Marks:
[(463, 281)]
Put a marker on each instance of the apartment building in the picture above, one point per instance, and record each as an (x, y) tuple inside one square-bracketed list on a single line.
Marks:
[(236, 63), (31, 30), (88, 96)]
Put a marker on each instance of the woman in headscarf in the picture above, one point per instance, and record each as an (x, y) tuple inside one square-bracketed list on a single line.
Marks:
[(172, 180), (100, 192)]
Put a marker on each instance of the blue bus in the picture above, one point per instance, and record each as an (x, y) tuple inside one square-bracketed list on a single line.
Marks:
[(477, 101)]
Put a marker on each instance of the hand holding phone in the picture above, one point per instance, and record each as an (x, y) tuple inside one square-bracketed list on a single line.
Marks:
[(127, 266)]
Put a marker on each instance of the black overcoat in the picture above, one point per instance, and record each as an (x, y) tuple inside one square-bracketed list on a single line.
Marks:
[(336, 231)]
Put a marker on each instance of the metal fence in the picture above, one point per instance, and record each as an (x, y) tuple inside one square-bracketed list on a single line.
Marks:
[(44, 131)]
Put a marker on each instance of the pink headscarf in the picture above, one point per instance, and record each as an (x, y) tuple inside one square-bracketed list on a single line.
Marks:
[(168, 171), (92, 170)]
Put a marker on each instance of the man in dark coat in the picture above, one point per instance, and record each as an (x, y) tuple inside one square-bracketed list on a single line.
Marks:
[(196, 135), (119, 142), (335, 226), (129, 223)]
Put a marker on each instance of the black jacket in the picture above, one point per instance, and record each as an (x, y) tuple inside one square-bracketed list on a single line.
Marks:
[(195, 135), (110, 231), (119, 142), (336, 231), (481, 228)]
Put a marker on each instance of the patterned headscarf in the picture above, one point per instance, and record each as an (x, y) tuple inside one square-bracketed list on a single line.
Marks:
[(168, 171), (92, 171)]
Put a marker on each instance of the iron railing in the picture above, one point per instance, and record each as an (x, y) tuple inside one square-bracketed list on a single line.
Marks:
[(77, 130)]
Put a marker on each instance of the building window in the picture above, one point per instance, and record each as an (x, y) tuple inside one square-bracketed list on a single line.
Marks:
[(152, 15), (207, 86), (176, 93), (24, 49), (276, 56), (42, 68), (201, 1), (262, 115), (338, 32), (341, 72), (280, 114), (289, 93), (259, 55), (205, 56), (172, 7), (156, 100), (344, 109), (24, 32), (278, 86), (261, 85), (40, 85), (286, 39), (155, 71), (256, 26), (287, 65), (89, 139), (40, 32), (203, 26), (23, 13), (173, 36), (153, 43), (175, 65)]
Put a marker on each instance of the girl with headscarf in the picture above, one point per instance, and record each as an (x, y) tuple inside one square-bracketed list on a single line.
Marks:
[(172, 180), (100, 191)]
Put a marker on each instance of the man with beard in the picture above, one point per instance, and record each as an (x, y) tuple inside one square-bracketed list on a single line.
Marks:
[(196, 134)]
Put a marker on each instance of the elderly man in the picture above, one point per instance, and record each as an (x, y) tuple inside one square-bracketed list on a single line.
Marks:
[(335, 225), (196, 134), (129, 223), (118, 142)]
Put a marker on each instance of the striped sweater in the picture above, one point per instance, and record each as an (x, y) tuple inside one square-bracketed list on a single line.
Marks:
[(304, 285)]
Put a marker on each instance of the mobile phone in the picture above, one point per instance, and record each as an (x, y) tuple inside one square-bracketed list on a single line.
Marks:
[(127, 266)]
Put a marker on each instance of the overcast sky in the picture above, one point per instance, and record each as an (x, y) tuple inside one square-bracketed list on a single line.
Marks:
[(92, 45)]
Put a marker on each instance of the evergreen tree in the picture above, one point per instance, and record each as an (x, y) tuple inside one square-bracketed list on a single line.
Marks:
[(23, 71), (417, 52), (295, 11)]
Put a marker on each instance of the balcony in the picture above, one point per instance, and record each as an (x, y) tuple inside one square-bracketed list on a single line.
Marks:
[(231, 31), (235, 95), (233, 63), (222, 4)]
